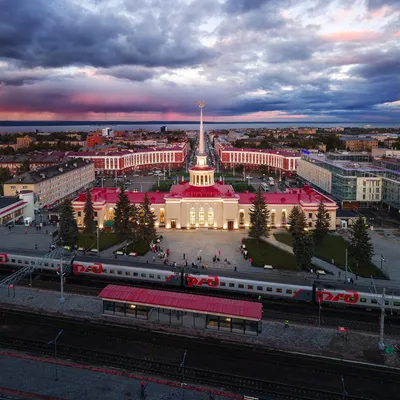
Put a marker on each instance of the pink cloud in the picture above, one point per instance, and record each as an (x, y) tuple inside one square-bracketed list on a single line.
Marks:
[(348, 36), (397, 34), (381, 12)]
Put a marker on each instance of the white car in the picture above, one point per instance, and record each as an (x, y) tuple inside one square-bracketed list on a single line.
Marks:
[(249, 177), (135, 176)]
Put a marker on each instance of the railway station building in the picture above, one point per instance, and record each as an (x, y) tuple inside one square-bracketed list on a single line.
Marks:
[(182, 309), (203, 203)]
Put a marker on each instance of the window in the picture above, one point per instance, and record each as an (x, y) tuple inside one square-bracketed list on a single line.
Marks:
[(269, 289), (289, 291), (259, 288), (151, 276), (95, 213), (231, 284), (241, 286), (79, 213), (127, 274), (192, 217), (158, 276), (310, 224), (162, 216), (201, 216), (363, 196), (250, 287), (222, 284), (135, 274), (273, 218), (112, 271), (309, 215), (278, 290), (374, 301), (210, 216), (143, 275)]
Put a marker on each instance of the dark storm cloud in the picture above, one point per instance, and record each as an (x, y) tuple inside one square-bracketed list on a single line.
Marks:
[(134, 74), (55, 34), (376, 4), (243, 6)]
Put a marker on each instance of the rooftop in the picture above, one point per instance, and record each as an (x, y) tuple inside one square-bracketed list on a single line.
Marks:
[(110, 196), (43, 174), (185, 189), (6, 201), (284, 153), (183, 301)]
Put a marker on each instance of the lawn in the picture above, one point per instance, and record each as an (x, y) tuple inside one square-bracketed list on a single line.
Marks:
[(89, 241), (141, 248), (266, 254), (164, 186), (242, 187), (334, 247)]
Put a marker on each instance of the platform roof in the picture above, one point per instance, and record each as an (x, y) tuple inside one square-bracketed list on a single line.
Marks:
[(183, 301)]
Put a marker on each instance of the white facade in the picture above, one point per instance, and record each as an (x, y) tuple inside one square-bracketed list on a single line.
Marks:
[(369, 189), (316, 175)]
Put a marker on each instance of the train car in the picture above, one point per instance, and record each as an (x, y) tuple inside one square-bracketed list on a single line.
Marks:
[(178, 277)]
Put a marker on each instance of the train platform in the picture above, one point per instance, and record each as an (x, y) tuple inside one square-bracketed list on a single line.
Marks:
[(26, 377), (307, 339)]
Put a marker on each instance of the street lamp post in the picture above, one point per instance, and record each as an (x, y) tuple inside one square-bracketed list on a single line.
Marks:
[(182, 366), (344, 394), (98, 241), (345, 271), (55, 351)]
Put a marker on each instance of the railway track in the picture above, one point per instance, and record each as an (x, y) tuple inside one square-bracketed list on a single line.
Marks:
[(240, 384)]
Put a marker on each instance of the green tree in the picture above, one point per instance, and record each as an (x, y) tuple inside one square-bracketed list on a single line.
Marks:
[(122, 224), (259, 216), (25, 167), (147, 219), (88, 210), (360, 249), (68, 225), (5, 175), (297, 222), (134, 233), (303, 249), (323, 222)]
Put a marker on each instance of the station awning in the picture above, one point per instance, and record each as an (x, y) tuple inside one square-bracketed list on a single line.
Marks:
[(184, 302)]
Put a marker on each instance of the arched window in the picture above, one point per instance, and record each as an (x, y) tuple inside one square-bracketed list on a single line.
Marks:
[(210, 216), (284, 220), (273, 218), (162, 216), (241, 218), (201, 216), (192, 217)]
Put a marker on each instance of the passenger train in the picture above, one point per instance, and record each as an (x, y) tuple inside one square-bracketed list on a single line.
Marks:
[(178, 277)]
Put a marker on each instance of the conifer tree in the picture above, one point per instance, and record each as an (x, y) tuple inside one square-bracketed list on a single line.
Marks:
[(122, 224), (323, 222), (68, 225), (297, 222), (134, 234), (360, 249), (147, 219), (259, 217), (303, 249), (88, 210)]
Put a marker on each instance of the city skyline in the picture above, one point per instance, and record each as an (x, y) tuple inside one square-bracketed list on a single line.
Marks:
[(251, 61)]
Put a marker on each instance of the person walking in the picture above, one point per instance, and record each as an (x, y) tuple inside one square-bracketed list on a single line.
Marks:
[(286, 323), (184, 256)]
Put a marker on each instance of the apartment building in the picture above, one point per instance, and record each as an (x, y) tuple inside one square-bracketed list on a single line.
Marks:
[(54, 184), (122, 162), (279, 161), (24, 141), (357, 143)]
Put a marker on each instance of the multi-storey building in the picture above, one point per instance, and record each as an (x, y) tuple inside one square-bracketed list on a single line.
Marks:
[(357, 143), (279, 161), (24, 141), (36, 160), (122, 162), (353, 179), (53, 184)]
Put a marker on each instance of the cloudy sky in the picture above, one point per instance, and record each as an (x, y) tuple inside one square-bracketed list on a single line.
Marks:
[(249, 60)]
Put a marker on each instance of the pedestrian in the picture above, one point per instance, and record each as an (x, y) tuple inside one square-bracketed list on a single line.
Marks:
[(356, 276), (333, 261), (235, 269), (339, 274), (348, 281), (317, 275), (154, 258), (251, 260), (352, 281), (26, 231), (259, 298), (219, 252), (35, 246), (286, 323), (184, 256), (311, 271), (115, 255)]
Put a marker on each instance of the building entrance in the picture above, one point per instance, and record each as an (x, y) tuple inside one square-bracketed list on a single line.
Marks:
[(173, 224), (230, 225)]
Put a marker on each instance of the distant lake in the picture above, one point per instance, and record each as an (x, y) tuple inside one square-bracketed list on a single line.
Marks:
[(63, 126)]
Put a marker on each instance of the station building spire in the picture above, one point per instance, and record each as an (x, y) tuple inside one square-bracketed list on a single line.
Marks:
[(201, 174)]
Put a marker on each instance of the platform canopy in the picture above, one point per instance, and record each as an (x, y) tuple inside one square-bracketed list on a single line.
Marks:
[(184, 302)]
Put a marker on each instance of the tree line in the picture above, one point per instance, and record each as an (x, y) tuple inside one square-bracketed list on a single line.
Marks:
[(303, 240)]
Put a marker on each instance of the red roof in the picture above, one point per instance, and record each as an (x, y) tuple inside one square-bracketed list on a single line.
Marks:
[(110, 196), (183, 301), (188, 190), (291, 197), (284, 153)]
